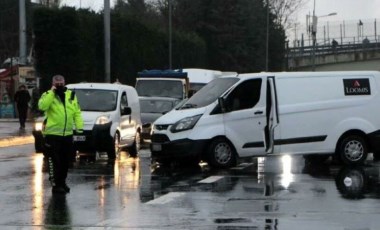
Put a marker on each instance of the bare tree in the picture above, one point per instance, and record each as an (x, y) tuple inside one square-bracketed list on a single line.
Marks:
[(285, 10)]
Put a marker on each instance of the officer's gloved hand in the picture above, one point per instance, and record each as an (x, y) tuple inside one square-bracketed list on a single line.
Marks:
[(78, 131)]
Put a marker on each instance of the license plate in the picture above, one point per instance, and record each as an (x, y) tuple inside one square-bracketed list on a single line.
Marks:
[(79, 138), (156, 147)]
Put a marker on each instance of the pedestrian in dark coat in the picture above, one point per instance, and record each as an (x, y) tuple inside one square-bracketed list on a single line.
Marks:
[(22, 98)]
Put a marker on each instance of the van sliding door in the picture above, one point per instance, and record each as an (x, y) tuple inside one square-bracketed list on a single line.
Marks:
[(271, 115)]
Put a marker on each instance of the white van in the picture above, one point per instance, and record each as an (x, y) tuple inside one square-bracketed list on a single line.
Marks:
[(111, 115), (315, 114)]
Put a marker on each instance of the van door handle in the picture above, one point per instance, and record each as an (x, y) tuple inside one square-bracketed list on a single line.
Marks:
[(258, 112)]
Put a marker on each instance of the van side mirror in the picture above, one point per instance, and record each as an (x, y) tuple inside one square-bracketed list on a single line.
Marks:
[(126, 111), (222, 104)]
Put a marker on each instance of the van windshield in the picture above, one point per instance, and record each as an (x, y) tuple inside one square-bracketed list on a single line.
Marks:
[(210, 92), (96, 99), (160, 88)]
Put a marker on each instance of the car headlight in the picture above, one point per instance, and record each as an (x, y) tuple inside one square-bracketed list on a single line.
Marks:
[(185, 124), (38, 126), (102, 120)]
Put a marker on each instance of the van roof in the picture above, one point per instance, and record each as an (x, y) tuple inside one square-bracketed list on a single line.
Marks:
[(310, 74), (204, 75), (96, 85)]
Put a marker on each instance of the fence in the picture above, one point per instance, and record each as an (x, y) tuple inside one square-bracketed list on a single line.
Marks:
[(345, 33)]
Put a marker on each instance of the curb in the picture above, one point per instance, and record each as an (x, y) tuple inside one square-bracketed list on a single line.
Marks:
[(12, 141)]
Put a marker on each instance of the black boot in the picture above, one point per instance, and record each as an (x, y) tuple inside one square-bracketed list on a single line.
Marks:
[(67, 188), (58, 190)]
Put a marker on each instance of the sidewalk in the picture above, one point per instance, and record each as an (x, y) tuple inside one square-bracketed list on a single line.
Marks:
[(10, 133)]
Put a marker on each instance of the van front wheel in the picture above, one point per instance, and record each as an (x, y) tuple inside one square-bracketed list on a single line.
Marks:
[(353, 150), (135, 148), (221, 154), (116, 140)]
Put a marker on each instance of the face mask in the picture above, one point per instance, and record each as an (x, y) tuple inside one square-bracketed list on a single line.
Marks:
[(60, 89)]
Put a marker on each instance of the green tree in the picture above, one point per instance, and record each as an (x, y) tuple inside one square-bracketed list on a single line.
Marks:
[(57, 44), (234, 32), (71, 42)]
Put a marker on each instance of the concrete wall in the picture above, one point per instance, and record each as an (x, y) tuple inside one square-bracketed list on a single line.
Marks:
[(360, 65), (359, 60)]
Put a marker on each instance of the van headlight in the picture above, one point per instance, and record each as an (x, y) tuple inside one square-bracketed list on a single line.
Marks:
[(38, 126), (102, 120), (185, 124)]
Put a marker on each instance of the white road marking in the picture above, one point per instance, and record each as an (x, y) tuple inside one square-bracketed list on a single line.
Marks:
[(166, 198), (211, 179)]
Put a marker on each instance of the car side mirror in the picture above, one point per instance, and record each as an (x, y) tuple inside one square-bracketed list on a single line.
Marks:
[(222, 104), (126, 111)]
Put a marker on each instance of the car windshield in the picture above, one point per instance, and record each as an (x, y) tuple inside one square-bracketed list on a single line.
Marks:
[(209, 93), (156, 106), (96, 99), (160, 88)]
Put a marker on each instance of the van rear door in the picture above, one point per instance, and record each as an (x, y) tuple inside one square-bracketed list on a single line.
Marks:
[(271, 115)]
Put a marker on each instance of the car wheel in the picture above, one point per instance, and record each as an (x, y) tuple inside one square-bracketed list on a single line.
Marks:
[(113, 150), (117, 144), (221, 154), (353, 150), (135, 148)]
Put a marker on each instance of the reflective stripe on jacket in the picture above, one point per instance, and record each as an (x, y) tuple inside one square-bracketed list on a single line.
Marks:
[(60, 117)]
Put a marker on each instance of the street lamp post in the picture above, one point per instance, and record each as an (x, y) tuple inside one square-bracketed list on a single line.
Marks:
[(107, 41), (267, 40), (170, 33), (314, 32)]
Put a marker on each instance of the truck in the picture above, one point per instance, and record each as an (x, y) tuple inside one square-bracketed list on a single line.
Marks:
[(200, 77), (163, 83), (314, 114)]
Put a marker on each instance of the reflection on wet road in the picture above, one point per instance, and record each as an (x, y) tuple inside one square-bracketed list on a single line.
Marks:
[(264, 193)]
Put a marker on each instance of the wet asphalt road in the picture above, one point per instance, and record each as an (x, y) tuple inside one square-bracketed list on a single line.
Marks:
[(266, 193)]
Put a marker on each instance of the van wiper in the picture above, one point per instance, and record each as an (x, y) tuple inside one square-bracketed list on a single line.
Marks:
[(188, 106)]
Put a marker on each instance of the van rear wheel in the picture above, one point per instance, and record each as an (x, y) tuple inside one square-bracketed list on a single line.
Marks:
[(353, 150), (221, 154)]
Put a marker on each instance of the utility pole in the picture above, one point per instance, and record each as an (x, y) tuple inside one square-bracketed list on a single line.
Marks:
[(267, 40), (170, 34), (22, 32), (107, 41), (314, 35)]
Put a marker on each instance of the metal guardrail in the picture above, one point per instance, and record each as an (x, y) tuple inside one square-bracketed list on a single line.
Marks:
[(307, 51)]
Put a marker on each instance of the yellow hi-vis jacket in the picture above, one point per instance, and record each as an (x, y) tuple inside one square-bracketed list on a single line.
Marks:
[(60, 118)]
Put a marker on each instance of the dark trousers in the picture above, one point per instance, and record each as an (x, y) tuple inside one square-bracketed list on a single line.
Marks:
[(59, 150), (22, 113)]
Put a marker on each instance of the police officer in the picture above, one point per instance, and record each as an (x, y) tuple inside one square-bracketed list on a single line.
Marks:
[(62, 112)]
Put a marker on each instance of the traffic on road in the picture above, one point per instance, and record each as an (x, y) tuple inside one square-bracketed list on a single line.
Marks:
[(132, 192)]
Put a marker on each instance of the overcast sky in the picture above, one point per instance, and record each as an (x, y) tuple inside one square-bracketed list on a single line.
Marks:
[(345, 9)]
